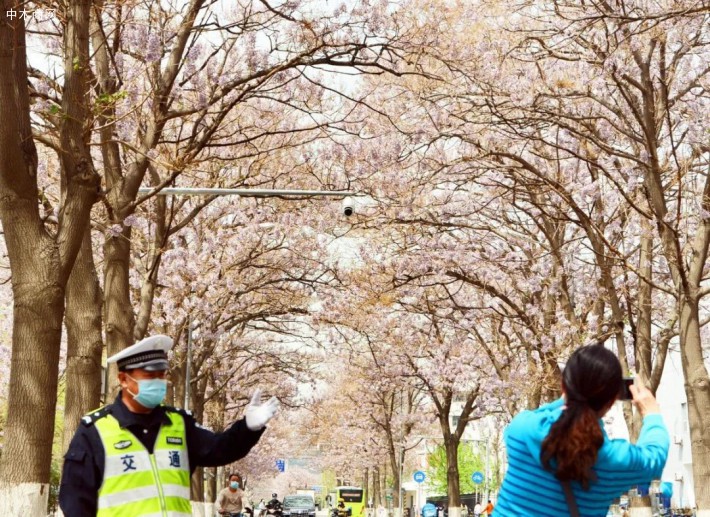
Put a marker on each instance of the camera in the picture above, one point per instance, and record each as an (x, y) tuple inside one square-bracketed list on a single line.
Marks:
[(348, 206), (625, 388)]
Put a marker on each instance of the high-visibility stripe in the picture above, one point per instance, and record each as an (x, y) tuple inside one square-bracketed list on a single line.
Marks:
[(140, 479), (168, 514), (128, 496), (138, 494), (137, 483)]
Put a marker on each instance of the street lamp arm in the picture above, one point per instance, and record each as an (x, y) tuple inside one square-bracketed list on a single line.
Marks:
[(245, 192)]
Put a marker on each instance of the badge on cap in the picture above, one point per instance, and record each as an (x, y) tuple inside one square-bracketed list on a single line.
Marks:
[(149, 354)]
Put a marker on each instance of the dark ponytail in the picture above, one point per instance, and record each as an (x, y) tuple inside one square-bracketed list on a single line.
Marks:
[(591, 380)]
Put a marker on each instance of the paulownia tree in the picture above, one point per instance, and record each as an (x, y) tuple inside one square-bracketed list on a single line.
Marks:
[(41, 257)]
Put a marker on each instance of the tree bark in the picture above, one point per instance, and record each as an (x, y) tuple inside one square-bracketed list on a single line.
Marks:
[(150, 283), (644, 350), (384, 481), (211, 485), (117, 296), (84, 341), (396, 470), (40, 262), (197, 401), (377, 498), (366, 485), (697, 390), (453, 490)]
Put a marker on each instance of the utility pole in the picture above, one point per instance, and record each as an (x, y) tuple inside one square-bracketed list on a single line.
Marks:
[(188, 361)]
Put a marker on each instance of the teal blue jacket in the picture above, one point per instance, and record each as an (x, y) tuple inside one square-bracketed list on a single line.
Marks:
[(528, 489)]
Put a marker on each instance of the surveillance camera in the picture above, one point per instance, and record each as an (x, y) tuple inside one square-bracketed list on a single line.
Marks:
[(348, 206)]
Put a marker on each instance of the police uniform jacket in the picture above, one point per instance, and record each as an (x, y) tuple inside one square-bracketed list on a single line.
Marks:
[(83, 470)]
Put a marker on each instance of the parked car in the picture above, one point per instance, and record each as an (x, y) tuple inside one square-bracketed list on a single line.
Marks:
[(299, 505)]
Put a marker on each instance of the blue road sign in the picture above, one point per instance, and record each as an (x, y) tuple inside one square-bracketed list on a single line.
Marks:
[(477, 477), (281, 465), (419, 476)]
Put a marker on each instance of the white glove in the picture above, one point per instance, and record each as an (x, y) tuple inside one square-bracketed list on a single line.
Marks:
[(258, 413)]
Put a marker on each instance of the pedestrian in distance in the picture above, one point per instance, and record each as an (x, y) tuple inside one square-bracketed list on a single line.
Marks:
[(489, 508), (229, 499), (562, 450), (135, 456), (477, 510)]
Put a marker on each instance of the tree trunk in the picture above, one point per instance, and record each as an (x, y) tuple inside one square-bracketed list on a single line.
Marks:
[(40, 263), (150, 283), (644, 351), (197, 399), (32, 397), (376, 492), (197, 486), (117, 297), (452, 472), (396, 470), (211, 485), (366, 485), (215, 418), (697, 388), (84, 342), (384, 482)]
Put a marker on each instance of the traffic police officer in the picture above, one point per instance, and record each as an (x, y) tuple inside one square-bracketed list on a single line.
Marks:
[(135, 457)]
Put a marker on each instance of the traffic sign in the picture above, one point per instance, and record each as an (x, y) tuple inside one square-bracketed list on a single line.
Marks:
[(477, 477), (281, 465), (419, 476)]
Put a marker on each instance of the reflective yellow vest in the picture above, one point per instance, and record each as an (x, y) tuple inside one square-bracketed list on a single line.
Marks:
[(140, 484)]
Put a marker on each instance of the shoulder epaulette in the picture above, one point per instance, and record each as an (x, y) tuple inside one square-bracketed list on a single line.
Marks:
[(90, 418), (185, 412)]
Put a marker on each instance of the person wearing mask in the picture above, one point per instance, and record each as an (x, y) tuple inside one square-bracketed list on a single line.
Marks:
[(561, 449), (118, 447), (229, 499)]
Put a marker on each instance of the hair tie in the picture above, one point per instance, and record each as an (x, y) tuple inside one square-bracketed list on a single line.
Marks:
[(577, 400)]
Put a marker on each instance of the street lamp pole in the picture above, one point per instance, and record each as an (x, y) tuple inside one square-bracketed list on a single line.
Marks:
[(188, 361)]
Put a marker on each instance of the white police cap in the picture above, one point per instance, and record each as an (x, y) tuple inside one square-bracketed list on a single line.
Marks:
[(149, 354)]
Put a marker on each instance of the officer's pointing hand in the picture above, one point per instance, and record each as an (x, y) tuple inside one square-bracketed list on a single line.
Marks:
[(258, 413)]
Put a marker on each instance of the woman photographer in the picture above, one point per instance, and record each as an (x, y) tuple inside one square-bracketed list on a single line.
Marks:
[(560, 455)]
